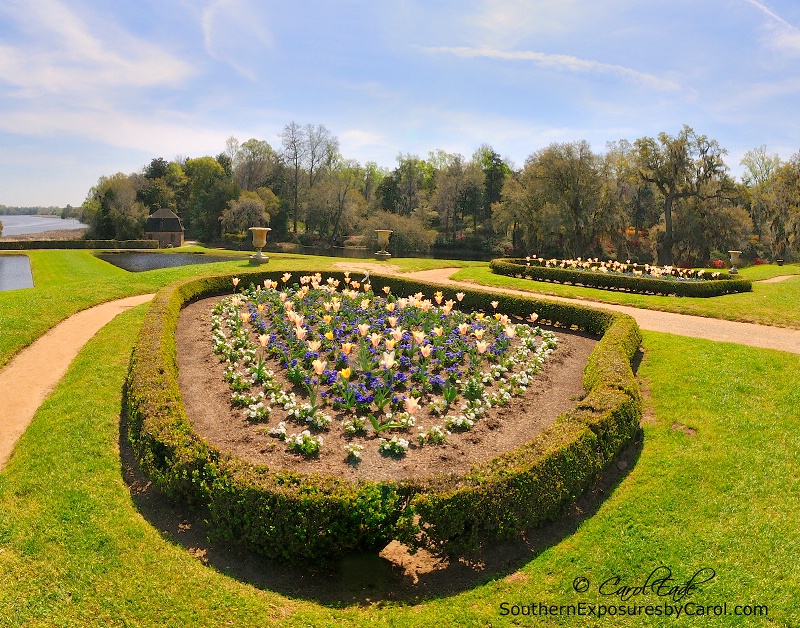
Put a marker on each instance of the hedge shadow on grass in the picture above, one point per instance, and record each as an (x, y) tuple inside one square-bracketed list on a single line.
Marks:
[(365, 579), (322, 519)]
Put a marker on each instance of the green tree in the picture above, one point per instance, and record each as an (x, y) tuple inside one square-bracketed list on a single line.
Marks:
[(210, 189), (253, 164), (571, 183), (293, 154), (495, 172), (680, 167), (783, 198), (758, 170), (249, 210), (112, 211), (708, 222), (458, 193)]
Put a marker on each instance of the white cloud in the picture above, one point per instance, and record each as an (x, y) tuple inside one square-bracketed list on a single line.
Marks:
[(782, 34), (235, 34), (63, 54), (559, 62), (162, 134), (511, 21)]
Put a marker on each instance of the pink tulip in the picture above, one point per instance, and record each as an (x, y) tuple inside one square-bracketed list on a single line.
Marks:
[(411, 405)]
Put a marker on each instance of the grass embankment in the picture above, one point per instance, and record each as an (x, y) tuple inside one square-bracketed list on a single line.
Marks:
[(768, 304), (66, 282), (716, 486)]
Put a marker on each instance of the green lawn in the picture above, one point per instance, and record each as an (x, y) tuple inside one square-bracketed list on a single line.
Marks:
[(69, 281), (768, 303), (715, 486)]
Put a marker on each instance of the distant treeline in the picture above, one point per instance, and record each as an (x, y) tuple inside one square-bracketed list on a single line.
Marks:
[(64, 212)]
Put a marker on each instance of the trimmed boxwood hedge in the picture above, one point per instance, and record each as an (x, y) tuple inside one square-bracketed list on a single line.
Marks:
[(724, 284), (315, 519)]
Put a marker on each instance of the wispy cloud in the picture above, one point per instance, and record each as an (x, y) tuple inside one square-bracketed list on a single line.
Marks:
[(566, 63), (236, 34), (166, 134), (783, 34), (60, 53), (512, 21)]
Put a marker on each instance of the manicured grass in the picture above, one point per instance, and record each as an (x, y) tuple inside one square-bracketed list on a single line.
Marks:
[(768, 303), (68, 281), (715, 486)]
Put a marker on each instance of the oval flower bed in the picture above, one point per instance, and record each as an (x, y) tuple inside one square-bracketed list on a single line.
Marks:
[(613, 275), (378, 362), (303, 517)]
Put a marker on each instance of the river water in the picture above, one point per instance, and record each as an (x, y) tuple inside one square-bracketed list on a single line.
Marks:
[(15, 272), (20, 225)]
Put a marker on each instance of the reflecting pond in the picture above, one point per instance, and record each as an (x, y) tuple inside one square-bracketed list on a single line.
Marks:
[(136, 261), (15, 272)]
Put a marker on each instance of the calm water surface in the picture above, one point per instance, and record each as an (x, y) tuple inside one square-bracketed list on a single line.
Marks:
[(15, 272), (137, 262), (20, 225)]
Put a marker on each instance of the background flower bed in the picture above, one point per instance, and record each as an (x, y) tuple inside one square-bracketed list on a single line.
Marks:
[(724, 283), (313, 519)]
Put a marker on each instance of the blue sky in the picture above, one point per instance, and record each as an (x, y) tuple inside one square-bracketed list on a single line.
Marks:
[(91, 88)]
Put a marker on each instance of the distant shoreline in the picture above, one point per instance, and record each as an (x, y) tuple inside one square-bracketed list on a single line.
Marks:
[(23, 225), (63, 234)]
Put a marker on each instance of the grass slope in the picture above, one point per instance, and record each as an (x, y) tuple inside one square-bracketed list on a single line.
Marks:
[(768, 304), (69, 281), (716, 485)]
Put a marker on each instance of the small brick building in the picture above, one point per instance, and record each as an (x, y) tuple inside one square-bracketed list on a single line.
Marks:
[(165, 226)]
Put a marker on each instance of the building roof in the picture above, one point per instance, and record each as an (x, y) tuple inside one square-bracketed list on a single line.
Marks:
[(163, 220)]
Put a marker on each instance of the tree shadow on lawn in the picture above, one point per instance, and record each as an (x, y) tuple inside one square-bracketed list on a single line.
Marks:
[(363, 580)]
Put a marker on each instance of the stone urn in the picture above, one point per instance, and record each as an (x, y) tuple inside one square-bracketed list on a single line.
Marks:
[(259, 242), (383, 242), (734, 261)]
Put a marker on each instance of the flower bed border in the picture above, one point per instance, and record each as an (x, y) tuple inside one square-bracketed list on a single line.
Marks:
[(725, 284), (314, 519)]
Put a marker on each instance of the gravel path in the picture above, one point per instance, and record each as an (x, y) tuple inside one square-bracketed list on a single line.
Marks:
[(750, 334), (31, 376)]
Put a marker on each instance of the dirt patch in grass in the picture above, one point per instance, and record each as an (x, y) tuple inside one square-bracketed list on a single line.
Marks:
[(207, 399)]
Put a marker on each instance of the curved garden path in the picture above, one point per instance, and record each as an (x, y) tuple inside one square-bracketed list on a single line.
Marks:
[(750, 334), (31, 376), (28, 379)]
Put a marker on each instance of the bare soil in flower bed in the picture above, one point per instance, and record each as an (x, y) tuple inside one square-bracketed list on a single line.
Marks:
[(207, 396)]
